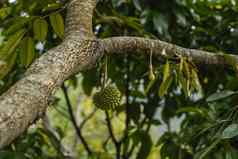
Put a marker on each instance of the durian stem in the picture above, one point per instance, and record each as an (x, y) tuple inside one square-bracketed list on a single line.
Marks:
[(151, 60), (105, 75)]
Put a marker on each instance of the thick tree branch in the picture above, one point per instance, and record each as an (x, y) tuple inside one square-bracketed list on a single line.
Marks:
[(121, 45), (79, 19), (28, 99)]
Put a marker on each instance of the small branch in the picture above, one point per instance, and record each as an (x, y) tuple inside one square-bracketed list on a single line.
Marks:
[(114, 140), (87, 119), (109, 125), (63, 114), (54, 138), (104, 145), (121, 45), (73, 120)]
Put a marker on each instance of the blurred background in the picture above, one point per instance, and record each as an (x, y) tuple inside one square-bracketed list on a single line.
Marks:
[(189, 111)]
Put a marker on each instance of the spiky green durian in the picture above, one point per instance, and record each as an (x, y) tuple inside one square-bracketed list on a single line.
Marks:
[(108, 98)]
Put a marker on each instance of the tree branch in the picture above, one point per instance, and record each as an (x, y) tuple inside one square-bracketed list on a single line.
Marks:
[(74, 122), (114, 140), (121, 45), (87, 118), (79, 19), (28, 99)]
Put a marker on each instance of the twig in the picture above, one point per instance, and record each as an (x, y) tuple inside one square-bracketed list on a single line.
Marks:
[(61, 113), (54, 138), (73, 120), (114, 140), (105, 143), (87, 118)]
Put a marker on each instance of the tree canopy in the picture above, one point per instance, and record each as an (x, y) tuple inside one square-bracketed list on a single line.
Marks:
[(170, 64)]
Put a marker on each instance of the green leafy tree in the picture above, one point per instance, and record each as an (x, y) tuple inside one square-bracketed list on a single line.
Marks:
[(143, 79)]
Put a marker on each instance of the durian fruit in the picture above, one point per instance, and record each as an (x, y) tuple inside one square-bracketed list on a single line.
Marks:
[(108, 98)]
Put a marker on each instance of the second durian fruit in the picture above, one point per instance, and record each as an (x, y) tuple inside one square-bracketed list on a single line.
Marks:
[(108, 98)]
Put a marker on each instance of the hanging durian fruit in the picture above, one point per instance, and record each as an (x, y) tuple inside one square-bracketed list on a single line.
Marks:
[(108, 98)]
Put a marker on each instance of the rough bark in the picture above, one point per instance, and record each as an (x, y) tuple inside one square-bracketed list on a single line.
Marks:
[(26, 100), (136, 45)]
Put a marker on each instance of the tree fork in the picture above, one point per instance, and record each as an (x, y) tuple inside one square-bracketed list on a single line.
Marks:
[(28, 98)]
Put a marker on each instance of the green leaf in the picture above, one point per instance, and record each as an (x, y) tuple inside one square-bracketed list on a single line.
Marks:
[(183, 82), (195, 81), (12, 155), (10, 62), (18, 24), (161, 24), (7, 54), (4, 12), (73, 80), (154, 153), (228, 155), (146, 145), (231, 61), (166, 72), (137, 94), (89, 81), (191, 110), (40, 29), (135, 112), (165, 86), (137, 4), (149, 86), (187, 69), (230, 132), (181, 65), (10, 45), (141, 136), (57, 24), (27, 51), (155, 122), (167, 80), (204, 153), (51, 7), (33, 7), (169, 150), (220, 95)]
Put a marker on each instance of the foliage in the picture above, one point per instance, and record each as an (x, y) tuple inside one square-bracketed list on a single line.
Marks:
[(204, 101)]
